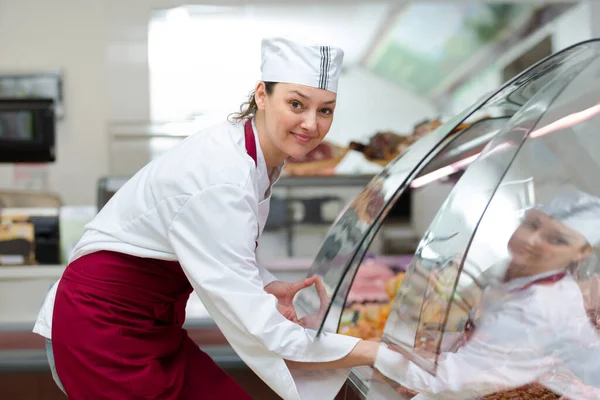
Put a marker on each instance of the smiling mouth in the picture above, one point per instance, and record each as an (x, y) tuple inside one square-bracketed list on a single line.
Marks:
[(521, 250), (302, 138), (525, 252)]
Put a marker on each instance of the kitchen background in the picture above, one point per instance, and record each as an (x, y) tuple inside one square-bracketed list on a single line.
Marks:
[(136, 76)]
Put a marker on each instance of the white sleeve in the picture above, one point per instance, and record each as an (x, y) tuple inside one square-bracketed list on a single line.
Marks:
[(580, 350), (213, 237), (265, 275), (465, 374), (507, 353)]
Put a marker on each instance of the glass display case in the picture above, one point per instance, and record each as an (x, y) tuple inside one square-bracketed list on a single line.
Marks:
[(500, 298)]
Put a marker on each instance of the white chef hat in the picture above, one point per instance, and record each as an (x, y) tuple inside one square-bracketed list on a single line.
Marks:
[(578, 210), (289, 61)]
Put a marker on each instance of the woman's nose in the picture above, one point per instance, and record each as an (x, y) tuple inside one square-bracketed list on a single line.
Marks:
[(533, 239), (309, 123)]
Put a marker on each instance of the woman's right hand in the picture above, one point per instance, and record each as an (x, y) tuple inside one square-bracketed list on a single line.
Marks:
[(313, 321)]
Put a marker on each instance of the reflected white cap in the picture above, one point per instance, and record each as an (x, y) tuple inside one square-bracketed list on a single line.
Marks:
[(289, 61), (578, 210)]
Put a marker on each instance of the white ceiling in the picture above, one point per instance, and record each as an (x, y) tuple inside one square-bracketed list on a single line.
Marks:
[(353, 27), (358, 27), (181, 39)]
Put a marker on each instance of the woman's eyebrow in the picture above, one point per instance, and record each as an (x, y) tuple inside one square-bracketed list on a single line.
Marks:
[(308, 98), (564, 235), (300, 94)]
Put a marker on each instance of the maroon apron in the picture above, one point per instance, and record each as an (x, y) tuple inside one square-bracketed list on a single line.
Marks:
[(117, 330)]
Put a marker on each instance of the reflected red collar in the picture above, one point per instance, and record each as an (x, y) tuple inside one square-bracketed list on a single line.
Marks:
[(545, 280)]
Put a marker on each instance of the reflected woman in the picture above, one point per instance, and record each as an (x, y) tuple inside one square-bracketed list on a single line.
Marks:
[(532, 326)]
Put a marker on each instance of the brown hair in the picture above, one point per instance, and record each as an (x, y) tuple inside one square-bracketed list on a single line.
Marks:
[(248, 108)]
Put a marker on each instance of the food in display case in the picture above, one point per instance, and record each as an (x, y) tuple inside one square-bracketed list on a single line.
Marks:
[(369, 300), (382, 147), (434, 308), (368, 203), (321, 160), (528, 392), (385, 146)]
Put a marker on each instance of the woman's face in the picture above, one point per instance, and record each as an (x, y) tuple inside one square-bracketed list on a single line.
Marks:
[(541, 244), (297, 117)]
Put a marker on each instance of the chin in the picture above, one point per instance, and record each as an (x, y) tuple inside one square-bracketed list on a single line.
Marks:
[(518, 262), (296, 153), (521, 256)]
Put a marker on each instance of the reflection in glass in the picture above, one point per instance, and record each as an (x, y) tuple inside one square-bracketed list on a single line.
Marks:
[(417, 320), (502, 294), (349, 237), (530, 323)]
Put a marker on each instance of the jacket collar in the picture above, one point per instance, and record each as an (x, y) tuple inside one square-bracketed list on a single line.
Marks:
[(266, 178), (523, 283)]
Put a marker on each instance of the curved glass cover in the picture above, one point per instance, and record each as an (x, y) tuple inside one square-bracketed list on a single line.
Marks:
[(338, 253), (338, 259), (502, 297)]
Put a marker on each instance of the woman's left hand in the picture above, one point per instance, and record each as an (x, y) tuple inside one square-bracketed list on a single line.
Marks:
[(285, 292)]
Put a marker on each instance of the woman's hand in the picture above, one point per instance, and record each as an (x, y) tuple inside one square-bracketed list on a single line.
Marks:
[(285, 292), (313, 321)]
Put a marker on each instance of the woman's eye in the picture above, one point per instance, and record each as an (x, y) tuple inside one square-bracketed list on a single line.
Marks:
[(558, 241), (530, 224), (326, 111), (295, 104)]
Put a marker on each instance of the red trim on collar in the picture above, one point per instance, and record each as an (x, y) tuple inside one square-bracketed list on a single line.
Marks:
[(250, 148), (546, 280), (469, 327), (250, 142)]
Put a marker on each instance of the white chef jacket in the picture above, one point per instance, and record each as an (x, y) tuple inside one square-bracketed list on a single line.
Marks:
[(204, 204), (523, 334)]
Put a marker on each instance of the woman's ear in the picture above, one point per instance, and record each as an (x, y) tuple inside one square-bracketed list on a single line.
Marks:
[(584, 253), (260, 95)]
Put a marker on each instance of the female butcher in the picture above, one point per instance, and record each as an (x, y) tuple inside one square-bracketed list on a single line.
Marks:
[(190, 220)]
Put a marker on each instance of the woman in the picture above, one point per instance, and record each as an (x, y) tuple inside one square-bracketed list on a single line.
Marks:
[(532, 325), (190, 220)]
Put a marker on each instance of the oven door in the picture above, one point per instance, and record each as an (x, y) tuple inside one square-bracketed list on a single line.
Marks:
[(27, 130)]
